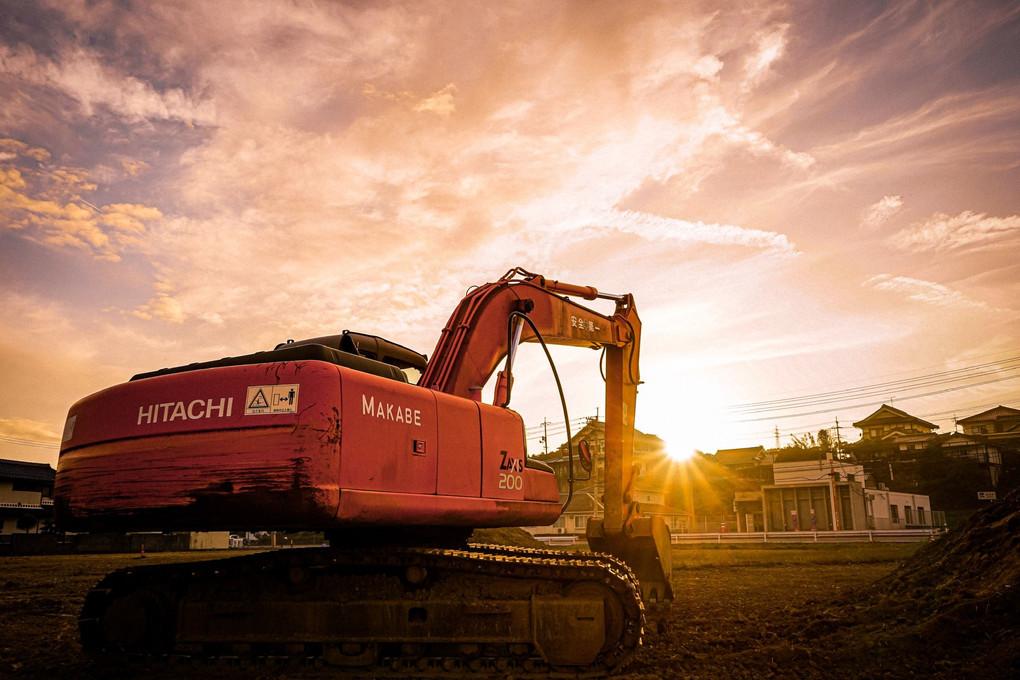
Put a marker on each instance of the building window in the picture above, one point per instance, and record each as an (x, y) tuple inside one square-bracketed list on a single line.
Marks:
[(894, 513), (920, 516), (908, 512), (581, 521)]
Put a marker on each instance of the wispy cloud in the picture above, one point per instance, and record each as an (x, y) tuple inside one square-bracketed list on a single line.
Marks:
[(927, 292), (877, 214), (81, 76), (657, 228), (967, 231), (769, 45)]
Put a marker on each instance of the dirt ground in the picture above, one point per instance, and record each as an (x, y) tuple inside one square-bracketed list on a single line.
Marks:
[(949, 612)]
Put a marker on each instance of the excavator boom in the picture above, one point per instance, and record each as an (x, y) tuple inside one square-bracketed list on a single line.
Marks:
[(475, 341)]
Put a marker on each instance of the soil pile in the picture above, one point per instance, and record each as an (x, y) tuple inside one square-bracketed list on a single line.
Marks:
[(960, 595), (951, 611)]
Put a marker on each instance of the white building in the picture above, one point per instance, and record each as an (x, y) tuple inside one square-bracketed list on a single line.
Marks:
[(26, 496)]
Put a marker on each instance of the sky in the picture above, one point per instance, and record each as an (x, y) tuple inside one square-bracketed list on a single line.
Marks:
[(815, 204)]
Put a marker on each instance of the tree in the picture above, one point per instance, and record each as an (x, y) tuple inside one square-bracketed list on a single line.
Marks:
[(824, 440), (952, 483), (804, 441), (27, 523)]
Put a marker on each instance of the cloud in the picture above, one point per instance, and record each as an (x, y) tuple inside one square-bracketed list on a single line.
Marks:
[(440, 103), (968, 231), (44, 204), (970, 130), (354, 156), (163, 306), (927, 292), (80, 75), (770, 45), (28, 430), (656, 228), (879, 213)]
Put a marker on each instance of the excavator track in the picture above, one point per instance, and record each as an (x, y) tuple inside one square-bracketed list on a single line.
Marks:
[(478, 612)]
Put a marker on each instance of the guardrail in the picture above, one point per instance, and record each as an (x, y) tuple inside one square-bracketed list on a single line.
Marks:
[(873, 536)]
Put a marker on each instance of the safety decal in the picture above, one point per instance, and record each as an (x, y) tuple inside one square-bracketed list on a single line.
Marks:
[(269, 399)]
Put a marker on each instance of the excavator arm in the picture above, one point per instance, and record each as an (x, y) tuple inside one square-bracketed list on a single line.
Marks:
[(483, 331)]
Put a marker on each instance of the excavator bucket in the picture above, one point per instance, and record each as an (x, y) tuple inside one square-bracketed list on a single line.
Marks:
[(644, 545)]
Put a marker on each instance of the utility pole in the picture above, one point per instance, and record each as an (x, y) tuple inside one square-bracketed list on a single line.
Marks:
[(777, 436), (839, 442)]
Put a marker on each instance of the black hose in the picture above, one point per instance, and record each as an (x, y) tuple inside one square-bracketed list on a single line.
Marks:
[(559, 388)]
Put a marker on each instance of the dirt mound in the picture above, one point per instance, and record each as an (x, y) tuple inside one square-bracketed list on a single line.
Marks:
[(961, 593), (951, 611)]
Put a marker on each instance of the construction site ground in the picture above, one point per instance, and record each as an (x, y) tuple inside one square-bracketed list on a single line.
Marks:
[(947, 609)]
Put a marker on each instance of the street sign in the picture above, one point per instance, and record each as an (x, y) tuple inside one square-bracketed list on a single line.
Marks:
[(986, 495)]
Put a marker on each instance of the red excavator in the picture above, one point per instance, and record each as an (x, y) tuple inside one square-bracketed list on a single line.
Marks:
[(329, 434)]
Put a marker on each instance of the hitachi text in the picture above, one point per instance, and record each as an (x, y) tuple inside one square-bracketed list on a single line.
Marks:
[(178, 410)]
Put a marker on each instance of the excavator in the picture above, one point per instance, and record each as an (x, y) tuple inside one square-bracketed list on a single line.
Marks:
[(335, 435)]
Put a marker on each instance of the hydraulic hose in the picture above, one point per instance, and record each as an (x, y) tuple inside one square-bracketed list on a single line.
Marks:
[(559, 388)]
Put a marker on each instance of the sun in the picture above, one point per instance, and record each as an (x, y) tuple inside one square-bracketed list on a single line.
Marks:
[(678, 450)]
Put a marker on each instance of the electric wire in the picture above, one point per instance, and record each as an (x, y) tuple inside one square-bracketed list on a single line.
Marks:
[(35, 443), (920, 382), (846, 399), (908, 372)]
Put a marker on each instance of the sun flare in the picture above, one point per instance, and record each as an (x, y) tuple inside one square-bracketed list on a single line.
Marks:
[(679, 451)]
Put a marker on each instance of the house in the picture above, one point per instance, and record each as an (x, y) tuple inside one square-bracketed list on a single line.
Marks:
[(998, 424), (753, 463), (893, 510), (26, 496), (652, 485), (976, 448), (889, 422), (894, 443), (814, 491)]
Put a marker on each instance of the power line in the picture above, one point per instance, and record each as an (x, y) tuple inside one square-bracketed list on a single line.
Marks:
[(883, 389), (969, 407), (1013, 352), (876, 403), (36, 443)]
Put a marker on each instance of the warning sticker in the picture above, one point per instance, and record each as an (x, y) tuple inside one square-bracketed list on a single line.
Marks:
[(263, 399)]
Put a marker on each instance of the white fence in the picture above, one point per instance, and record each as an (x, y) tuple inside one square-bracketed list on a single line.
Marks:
[(875, 536)]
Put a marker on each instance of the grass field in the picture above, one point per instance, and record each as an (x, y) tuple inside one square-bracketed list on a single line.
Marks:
[(689, 557)]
